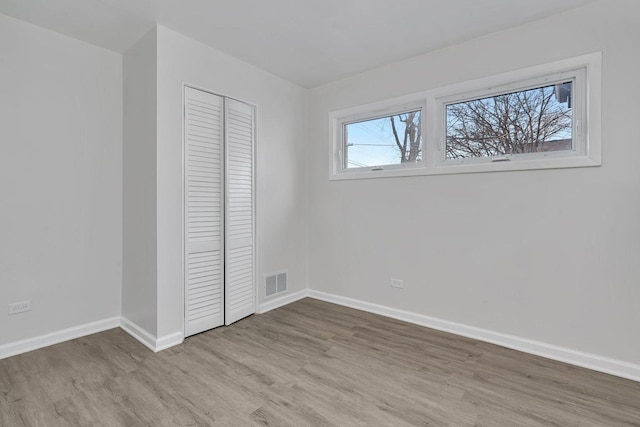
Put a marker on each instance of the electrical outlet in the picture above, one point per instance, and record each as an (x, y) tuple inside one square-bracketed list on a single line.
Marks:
[(397, 283), (19, 307)]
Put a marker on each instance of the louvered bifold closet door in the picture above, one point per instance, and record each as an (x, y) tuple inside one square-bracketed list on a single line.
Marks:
[(204, 220), (240, 231)]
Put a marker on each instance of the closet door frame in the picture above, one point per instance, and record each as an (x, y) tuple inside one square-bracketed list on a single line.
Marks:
[(183, 194)]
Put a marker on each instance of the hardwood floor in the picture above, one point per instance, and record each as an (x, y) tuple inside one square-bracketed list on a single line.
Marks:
[(309, 363)]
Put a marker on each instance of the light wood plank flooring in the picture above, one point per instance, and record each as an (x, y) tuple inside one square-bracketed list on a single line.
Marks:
[(309, 363)]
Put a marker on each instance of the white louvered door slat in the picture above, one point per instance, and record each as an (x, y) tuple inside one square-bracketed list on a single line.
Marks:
[(204, 219), (239, 226)]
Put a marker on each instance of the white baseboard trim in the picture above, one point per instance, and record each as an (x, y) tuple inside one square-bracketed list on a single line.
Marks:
[(149, 340), (586, 360), (574, 357), (30, 344), (272, 304), (170, 340), (138, 333)]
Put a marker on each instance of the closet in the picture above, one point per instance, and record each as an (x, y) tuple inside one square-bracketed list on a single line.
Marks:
[(219, 210)]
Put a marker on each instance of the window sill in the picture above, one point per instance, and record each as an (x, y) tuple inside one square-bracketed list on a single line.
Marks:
[(514, 165)]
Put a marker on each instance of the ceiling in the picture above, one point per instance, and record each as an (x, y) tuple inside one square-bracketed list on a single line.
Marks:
[(308, 42)]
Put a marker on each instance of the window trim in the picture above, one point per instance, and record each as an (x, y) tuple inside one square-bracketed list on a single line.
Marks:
[(586, 133)]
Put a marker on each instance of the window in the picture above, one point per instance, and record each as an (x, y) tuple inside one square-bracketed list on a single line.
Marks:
[(523, 122), (390, 140), (538, 118), (385, 138), (533, 120)]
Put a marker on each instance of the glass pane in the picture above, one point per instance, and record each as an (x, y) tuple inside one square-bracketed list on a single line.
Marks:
[(389, 140), (528, 121)]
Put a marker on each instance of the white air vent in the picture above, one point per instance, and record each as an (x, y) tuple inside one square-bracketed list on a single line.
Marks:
[(275, 283), (282, 282), (271, 284)]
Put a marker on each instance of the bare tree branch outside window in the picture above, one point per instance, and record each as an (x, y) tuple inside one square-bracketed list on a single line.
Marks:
[(410, 141), (527, 121), (387, 140)]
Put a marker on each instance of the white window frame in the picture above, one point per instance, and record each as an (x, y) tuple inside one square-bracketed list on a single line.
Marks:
[(585, 71), (340, 119)]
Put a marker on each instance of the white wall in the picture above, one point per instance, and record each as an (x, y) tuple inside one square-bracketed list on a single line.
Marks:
[(60, 181), (548, 255), (139, 279), (281, 169)]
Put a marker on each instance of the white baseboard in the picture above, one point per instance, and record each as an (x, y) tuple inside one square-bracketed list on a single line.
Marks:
[(586, 360), (138, 333), (169, 341), (274, 303), (23, 346), (149, 340)]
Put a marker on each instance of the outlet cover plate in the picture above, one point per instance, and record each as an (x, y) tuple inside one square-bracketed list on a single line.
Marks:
[(397, 283), (19, 307)]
